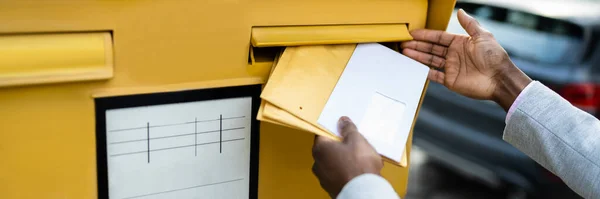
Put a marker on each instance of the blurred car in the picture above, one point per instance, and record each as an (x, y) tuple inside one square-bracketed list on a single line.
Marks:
[(554, 42)]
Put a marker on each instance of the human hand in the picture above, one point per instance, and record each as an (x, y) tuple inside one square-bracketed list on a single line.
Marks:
[(475, 65), (336, 163)]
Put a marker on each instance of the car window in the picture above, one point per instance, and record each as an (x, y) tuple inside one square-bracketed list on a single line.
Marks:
[(548, 41), (490, 13), (593, 53), (522, 19)]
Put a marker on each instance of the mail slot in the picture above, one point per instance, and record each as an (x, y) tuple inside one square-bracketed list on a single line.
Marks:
[(328, 34), (55, 57), (134, 99), (267, 42)]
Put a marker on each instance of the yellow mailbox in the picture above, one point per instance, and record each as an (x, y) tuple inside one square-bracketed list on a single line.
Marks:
[(89, 88)]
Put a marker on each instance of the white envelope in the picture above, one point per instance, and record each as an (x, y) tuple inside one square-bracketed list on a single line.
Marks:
[(380, 90)]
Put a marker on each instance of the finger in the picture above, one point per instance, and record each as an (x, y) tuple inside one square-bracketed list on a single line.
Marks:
[(436, 76), (470, 24), (426, 47), (315, 170), (433, 36), (425, 58), (348, 130), (323, 140), (322, 143), (321, 175)]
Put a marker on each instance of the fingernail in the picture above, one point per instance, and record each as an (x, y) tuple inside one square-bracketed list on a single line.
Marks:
[(344, 120)]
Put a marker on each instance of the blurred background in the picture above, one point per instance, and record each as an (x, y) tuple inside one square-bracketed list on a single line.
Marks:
[(459, 151)]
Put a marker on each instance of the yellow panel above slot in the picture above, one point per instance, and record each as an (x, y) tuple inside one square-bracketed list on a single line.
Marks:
[(328, 34), (55, 57)]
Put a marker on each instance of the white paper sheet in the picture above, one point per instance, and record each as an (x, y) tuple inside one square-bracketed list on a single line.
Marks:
[(380, 91), (184, 150)]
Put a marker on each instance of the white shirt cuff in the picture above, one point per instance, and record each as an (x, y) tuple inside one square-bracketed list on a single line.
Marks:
[(367, 186)]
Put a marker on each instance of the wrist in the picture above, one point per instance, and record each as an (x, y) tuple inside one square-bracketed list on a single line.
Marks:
[(509, 84)]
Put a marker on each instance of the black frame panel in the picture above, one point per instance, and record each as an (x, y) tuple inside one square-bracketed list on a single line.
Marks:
[(108, 103)]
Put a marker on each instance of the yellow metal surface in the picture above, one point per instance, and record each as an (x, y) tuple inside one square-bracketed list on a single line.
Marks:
[(328, 34), (47, 132), (438, 13), (54, 57)]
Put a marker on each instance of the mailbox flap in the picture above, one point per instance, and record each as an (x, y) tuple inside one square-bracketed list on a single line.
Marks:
[(328, 34), (43, 58)]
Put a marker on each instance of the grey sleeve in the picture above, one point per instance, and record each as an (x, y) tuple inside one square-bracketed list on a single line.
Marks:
[(560, 137), (367, 186)]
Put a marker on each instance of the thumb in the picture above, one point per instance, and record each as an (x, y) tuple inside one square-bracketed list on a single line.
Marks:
[(470, 24), (347, 129)]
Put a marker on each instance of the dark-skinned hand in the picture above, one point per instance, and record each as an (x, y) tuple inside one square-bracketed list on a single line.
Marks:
[(336, 163), (473, 65)]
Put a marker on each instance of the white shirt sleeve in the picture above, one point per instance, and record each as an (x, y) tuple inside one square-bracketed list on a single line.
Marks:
[(367, 186), (559, 136)]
